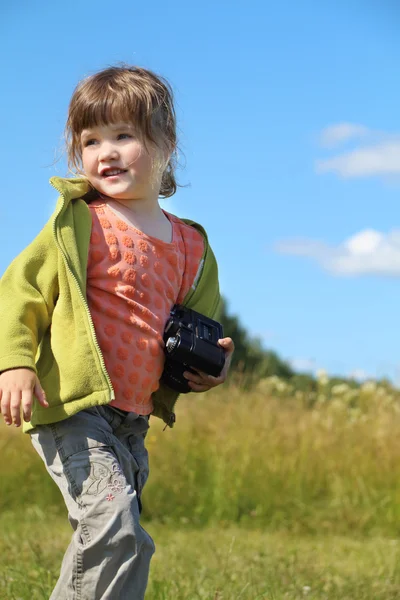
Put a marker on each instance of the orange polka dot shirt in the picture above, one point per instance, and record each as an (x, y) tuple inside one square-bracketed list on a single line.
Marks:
[(133, 280)]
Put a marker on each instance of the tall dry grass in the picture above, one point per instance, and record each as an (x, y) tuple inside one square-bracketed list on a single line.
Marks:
[(275, 458)]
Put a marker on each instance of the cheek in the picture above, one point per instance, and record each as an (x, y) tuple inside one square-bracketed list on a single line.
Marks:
[(137, 156), (87, 162), (141, 162)]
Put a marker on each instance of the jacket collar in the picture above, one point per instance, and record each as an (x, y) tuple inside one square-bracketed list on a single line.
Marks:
[(71, 188)]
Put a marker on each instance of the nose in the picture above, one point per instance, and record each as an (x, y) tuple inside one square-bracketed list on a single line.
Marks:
[(107, 151)]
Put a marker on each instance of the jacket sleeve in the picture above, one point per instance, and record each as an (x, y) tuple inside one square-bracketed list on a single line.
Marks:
[(206, 297), (28, 294)]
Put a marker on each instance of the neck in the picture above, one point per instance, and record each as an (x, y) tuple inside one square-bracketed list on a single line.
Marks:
[(147, 207)]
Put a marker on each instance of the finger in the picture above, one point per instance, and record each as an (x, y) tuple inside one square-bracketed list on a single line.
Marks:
[(200, 378), (27, 401), (40, 394), (214, 381), (195, 387), (15, 405), (195, 377), (5, 407), (208, 381), (227, 344), (196, 374), (227, 365)]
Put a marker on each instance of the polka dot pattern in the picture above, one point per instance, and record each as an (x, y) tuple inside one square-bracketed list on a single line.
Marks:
[(127, 290), (143, 246), (146, 280), (127, 241), (172, 259), (128, 393), (118, 370), (158, 252), (138, 360), (133, 282), (129, 275), (141, 343), (133, 377), (121, 225), (146, 313), (122, 353), (159, 287), (127, 336), (158, 267), (129, 257), (110, 330), (145, 298), (111, 312), (114, 253), (114, 271), (111, 239), (149, 366)]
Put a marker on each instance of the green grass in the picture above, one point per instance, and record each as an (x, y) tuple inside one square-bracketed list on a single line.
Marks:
[(213, 563), (251, 496), (255, 460)]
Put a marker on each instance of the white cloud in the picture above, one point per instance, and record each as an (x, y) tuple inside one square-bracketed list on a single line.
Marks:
[(379, 159), (368, 252), (377, 152), (342, 132)]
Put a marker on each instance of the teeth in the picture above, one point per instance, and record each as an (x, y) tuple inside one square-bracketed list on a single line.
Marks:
[(113, 172)]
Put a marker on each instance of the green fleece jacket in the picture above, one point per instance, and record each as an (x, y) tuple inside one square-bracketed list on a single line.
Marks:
[(45, 320)]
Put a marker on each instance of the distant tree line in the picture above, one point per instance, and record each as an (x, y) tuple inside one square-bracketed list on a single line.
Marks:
[(252, 362)]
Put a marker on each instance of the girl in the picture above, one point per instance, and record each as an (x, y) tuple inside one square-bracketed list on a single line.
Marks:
[(86, 305)]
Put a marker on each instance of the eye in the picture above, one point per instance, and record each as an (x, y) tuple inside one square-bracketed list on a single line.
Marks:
[(124, 136), (89, 142)]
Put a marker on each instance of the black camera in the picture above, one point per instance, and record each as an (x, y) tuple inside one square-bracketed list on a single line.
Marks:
[(191, 340)]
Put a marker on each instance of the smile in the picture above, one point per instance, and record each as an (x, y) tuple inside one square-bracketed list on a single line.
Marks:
[(112, 172)]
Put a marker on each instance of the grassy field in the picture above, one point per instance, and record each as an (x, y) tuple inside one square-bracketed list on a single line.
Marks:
[(214, 563), (269, 495)]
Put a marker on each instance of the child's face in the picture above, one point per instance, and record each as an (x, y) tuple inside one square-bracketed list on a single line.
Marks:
[(117, 163)]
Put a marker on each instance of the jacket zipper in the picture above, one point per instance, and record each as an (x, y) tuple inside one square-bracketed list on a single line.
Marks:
[(85, 305)]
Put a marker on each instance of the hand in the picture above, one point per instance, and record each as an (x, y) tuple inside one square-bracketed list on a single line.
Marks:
[(200, 382), (17, 388)]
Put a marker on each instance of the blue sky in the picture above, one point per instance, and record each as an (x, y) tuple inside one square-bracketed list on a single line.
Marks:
[(290, 128)]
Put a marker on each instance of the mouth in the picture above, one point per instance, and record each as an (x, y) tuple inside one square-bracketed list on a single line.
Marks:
[(111, 172)]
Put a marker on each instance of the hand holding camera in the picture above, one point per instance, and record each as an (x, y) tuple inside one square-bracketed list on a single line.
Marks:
[(197, 355), (201, 382)]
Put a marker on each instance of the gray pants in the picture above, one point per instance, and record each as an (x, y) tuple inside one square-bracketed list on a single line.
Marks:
[(98, 460)]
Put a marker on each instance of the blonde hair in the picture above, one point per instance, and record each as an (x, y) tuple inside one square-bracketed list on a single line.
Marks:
[(129, 94)]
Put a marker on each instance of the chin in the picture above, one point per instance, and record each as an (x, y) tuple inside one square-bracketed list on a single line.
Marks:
[(114, 192), (122, 196)]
